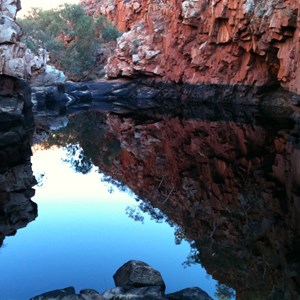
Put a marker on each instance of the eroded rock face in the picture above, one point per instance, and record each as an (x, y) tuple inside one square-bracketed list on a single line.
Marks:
[(12, 52), (16, 125), (40, 73), (252, 42), (15, 59), (10, 7)]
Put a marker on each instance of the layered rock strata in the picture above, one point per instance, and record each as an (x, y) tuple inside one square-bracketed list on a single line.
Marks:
[(254, 42), (16, 126), (15, 59), (13, 53)]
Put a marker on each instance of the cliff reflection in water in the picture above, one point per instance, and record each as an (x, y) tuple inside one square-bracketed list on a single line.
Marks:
[(16, 177), (16, 207), (232, 187)]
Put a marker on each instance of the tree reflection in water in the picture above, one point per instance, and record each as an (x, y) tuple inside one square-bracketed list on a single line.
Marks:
[(77, 159)]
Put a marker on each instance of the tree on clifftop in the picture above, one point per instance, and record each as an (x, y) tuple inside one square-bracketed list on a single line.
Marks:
[(70, 36)]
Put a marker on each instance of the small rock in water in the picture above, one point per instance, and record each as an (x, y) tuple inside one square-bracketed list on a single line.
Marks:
[(108, 294), (89, 294), (61, 294), (193, 293)]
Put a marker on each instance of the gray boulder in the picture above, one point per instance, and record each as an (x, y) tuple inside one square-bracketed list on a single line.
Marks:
[(193, 293), (142, 293), (135, 273), (89, 294), (111, 293), (60, 294), (69, 293), (47, 76), (9, 30)]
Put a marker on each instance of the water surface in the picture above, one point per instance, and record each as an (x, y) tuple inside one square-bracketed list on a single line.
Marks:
[(83, 235), (226, 178)]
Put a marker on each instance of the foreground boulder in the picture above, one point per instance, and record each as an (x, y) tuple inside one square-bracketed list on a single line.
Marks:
[(135, 280), (135, 274)]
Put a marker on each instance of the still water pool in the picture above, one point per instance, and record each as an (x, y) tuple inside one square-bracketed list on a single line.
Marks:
[(82, 235)]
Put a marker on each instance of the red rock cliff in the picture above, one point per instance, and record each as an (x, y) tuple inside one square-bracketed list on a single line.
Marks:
[(252, 42)]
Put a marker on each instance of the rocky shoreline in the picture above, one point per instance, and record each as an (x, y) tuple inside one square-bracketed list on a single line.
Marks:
[(135, 280), (132, 96)]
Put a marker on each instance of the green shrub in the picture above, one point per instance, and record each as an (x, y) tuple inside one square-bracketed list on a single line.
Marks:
[(70, 36), (107, 29)]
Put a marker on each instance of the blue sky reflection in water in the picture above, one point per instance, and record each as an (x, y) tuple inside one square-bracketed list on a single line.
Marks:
[(83, 235)]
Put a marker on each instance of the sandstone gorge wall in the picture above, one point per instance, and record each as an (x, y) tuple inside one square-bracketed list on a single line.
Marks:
[(12, 52), (15, 59), (252, 42)]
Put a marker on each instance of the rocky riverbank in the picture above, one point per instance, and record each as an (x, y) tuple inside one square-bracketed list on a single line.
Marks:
[(125, 96), (135, 280)]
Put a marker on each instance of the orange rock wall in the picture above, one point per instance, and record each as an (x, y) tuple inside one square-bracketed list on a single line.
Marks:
[(252, 42)]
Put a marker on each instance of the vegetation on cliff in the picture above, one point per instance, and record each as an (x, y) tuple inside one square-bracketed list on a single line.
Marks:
[(76, 42)]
